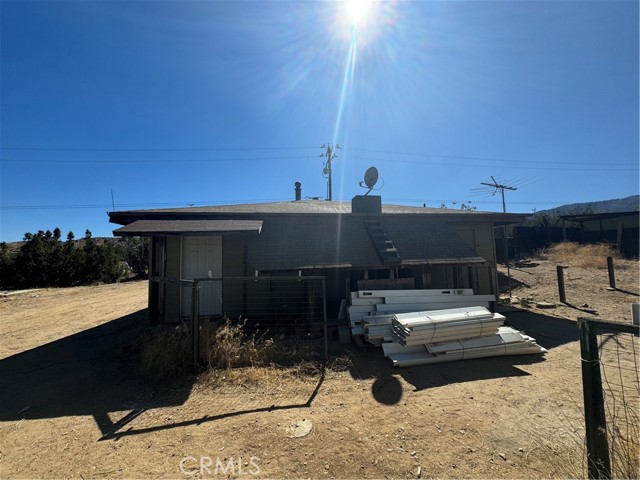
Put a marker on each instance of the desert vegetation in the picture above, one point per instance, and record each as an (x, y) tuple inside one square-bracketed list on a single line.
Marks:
[(43, 259)]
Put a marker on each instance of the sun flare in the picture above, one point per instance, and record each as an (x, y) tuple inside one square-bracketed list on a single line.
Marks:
[(357, 10)]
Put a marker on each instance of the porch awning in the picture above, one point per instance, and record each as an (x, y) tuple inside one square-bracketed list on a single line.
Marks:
[(189, 227)]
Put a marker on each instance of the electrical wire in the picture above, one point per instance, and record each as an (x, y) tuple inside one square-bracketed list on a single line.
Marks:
[(489, 159), (182, 160)]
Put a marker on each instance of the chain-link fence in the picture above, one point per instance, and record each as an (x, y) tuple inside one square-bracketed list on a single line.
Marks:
[(286, 309)]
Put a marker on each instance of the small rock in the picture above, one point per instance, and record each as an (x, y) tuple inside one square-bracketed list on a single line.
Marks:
[(502, 456)]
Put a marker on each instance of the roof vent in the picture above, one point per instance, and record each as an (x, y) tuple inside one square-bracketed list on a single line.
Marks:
[(298, 191)]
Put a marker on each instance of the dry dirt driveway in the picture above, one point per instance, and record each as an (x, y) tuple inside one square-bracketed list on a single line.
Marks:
[(73, 404)]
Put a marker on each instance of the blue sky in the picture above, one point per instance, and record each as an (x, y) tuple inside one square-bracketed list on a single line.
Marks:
[(171, 103)]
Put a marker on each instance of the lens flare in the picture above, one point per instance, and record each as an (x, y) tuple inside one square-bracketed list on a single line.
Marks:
[(357, 10)]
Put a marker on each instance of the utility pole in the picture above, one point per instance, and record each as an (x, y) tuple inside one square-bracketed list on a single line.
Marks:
[(497, 186), (326, 170)]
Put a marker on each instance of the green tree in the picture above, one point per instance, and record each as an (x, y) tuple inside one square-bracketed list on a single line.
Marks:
[(7, 259), (135, 251)]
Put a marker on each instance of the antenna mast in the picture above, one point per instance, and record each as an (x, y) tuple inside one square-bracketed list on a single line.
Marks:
[(498, 186), (326, 170)]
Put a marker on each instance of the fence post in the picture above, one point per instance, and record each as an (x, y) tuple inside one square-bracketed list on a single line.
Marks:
[(612, 275), (195, 324), (598, 462), (563, 295), (324, 318)]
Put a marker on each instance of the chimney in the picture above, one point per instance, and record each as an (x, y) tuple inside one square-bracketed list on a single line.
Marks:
[(298, 191), (369, 204)]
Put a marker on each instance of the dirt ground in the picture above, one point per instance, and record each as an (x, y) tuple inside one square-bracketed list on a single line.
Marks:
[(73, 403)]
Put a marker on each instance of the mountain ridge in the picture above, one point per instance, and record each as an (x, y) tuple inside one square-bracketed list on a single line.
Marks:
[(616, 205)]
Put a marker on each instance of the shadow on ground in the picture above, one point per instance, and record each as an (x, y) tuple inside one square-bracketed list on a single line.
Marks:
[(503, 283), (549, 332), (94, 372), (89, 373)]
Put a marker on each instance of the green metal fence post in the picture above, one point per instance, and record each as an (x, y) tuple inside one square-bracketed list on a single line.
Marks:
[(598, 461), (195, 324), (324, 317)]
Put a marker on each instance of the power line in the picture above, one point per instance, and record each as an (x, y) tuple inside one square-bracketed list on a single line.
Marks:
[(253, 159), (201, 203), (513, 167), (97, 149), (489, 159), (182, 160)]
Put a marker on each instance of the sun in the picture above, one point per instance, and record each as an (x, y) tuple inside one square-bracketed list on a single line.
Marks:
[(357, 10)]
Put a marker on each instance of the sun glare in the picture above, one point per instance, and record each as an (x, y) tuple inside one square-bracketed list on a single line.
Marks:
[(357, 10)]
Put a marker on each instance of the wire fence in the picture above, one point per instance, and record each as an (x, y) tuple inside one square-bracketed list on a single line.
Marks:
[(611, 385), (288, 309)]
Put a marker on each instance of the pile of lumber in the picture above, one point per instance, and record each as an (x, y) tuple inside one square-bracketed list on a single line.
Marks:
[(507, 341), (371, 311), (418, 327), (439, 326)]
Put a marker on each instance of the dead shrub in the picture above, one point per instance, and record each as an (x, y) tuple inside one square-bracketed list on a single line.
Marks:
[(229, 344), (577, 255), (165, 353), (230, 351), (226, 345)]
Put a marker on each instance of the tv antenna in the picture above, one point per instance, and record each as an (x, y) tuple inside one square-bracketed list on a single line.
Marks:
[(326, 170), (370, 179), (498, 186)]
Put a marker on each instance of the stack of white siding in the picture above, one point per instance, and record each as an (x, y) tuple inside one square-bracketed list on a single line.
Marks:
[(436, 326), (371, 311), (507, 341)]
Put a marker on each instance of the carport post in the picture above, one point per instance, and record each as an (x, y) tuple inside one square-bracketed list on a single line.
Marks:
[(195, 323)]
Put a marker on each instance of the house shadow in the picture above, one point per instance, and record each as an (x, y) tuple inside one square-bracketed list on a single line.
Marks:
[(387, 388), (503, 283), (92, 372), (96, 372), (549, 332)]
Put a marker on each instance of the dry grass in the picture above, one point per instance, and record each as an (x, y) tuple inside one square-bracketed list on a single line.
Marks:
[(226, 345), (166, 353), (583, 256), (623, 432), (272, 377), (229, 352)]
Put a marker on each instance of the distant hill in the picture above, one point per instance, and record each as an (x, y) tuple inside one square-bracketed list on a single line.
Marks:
[(627, 204)]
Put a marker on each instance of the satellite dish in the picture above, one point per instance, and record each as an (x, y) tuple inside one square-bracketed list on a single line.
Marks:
[(370, 178)]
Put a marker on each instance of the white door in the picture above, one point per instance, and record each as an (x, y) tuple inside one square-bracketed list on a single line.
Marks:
[(202, 258)]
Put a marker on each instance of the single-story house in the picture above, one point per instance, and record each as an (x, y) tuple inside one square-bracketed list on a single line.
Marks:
[(354, 245)]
